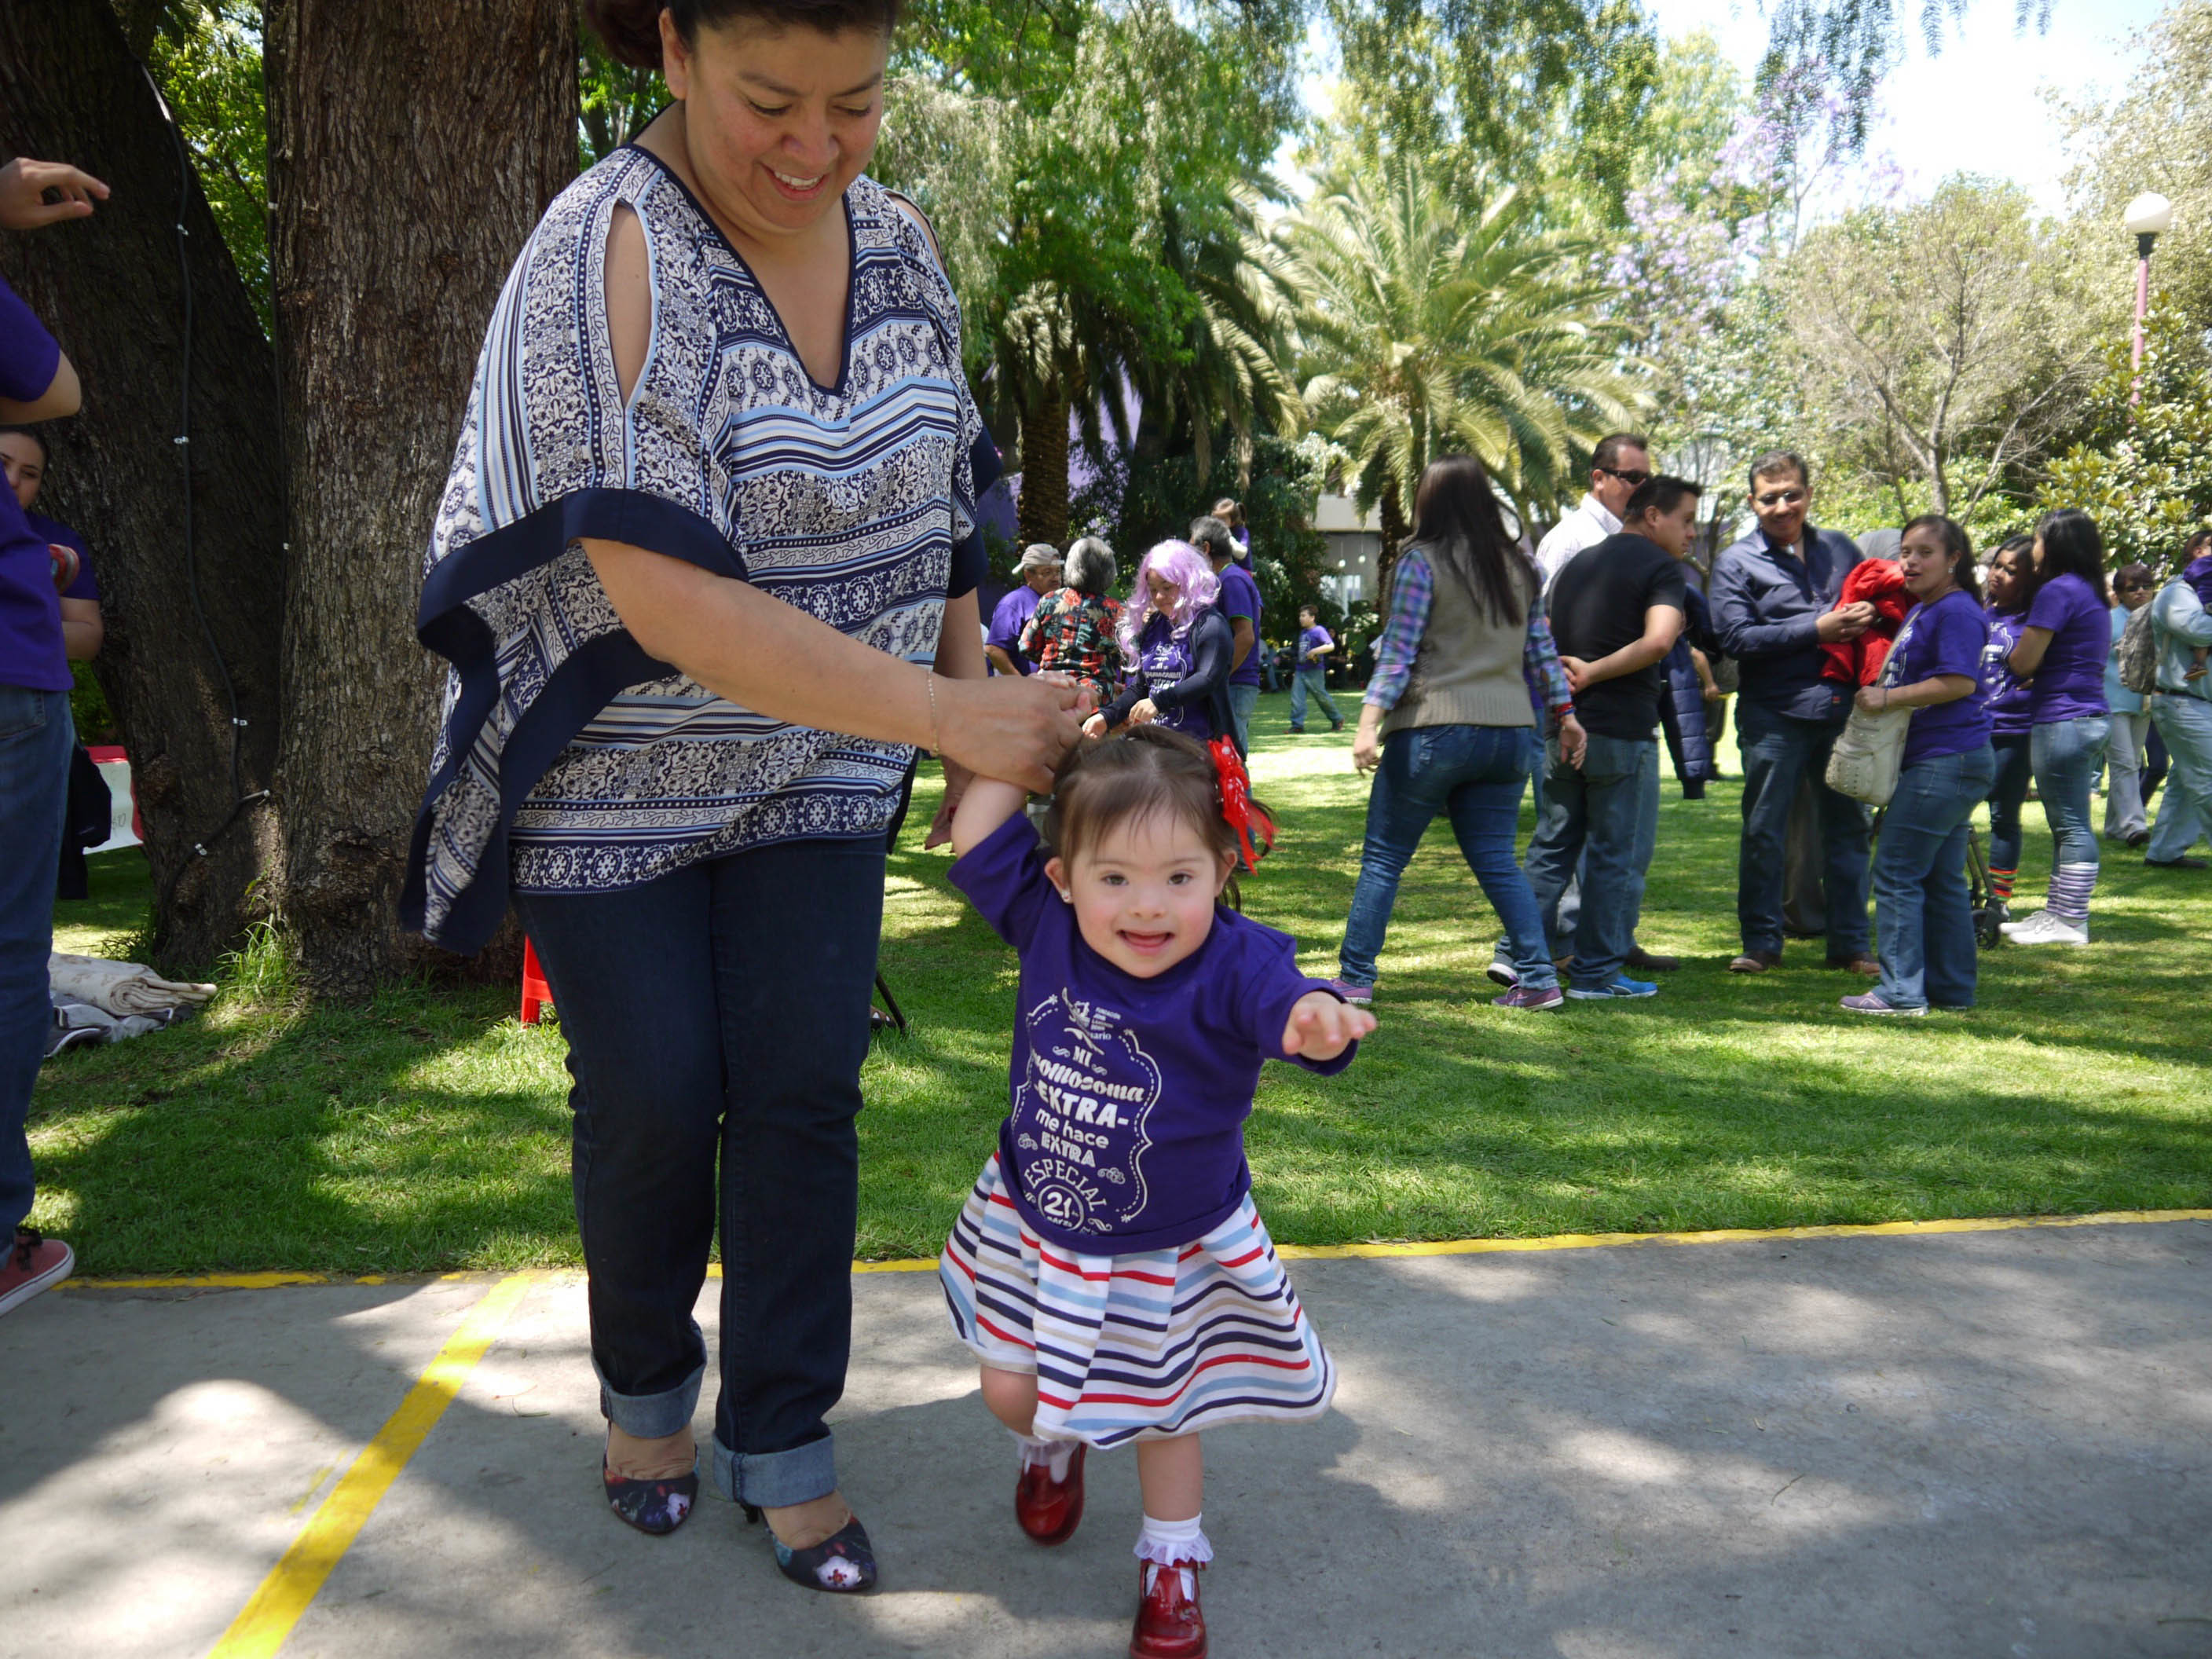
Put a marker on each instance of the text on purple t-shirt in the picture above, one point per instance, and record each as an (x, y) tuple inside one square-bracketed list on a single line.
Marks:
[(2069, 685), (1315, 636), (1946, 637), (1128, 1094), (2009, 699)]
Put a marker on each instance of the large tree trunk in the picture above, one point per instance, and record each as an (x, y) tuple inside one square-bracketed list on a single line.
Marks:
[(1042, 515), (412, 146), (1396, 532), (111, 291)]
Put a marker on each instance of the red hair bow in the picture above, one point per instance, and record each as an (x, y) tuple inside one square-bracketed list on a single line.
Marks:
[(1254, 823)]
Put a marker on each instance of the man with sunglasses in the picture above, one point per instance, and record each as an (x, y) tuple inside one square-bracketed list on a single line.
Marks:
[(1775, 603), (1621, 461)]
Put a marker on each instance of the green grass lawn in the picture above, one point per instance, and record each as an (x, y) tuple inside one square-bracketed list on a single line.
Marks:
[(429, 1129)]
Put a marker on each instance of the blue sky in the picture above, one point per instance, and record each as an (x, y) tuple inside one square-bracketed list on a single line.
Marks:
[(1975, 107)]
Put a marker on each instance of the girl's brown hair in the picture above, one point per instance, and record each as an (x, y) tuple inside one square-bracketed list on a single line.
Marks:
[(631, 29), (1141, 771)]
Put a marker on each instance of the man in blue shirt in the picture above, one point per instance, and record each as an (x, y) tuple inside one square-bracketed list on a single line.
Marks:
[(1775, 602)]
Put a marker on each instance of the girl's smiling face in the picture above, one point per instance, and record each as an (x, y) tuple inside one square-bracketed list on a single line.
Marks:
[(1144, 891)]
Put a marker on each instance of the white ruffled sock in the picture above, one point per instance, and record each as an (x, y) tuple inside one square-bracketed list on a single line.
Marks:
[(1054, 1454), (1165, 1543)]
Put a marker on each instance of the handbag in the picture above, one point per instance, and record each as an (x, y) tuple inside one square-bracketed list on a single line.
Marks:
[(1868, 753)]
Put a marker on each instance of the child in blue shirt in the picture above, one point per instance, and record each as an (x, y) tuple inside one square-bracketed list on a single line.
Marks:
[(1108, 1267)]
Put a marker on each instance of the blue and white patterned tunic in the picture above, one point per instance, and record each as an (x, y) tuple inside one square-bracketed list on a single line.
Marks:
[(569, 760)]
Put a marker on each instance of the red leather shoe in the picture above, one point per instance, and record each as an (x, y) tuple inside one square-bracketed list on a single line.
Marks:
[(1168, 1622), (1049, 1509)]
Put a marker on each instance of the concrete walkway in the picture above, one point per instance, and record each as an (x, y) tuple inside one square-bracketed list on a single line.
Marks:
[(1989, 1443)]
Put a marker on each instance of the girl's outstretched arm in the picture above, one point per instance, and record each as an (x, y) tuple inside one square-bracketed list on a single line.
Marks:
[(989, 803)]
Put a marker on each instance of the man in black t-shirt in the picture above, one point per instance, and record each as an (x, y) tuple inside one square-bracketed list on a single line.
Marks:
[(1616, 610)]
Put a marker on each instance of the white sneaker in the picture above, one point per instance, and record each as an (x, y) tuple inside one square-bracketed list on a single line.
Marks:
[(2045, 928)]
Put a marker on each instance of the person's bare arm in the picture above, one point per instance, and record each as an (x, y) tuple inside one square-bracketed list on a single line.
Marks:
[(1000, 661), (1242, 640), (83, 630), (24, 184), (2027, 652), (989, 803), (1662, 626), (1921, 694)]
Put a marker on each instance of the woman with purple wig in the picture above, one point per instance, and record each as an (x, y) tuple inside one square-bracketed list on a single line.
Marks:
[(1178, 646)]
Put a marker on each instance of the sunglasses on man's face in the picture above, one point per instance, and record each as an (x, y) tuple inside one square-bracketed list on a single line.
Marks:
[(1632, 476), (1781, 498)]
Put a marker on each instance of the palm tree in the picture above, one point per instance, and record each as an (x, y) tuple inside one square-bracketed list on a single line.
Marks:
[(1425, 335)]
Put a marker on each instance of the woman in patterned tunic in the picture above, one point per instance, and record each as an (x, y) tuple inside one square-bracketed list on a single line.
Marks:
[(705, 572)]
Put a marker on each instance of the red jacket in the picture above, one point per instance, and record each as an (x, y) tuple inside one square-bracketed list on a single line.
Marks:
[(1881, 583)]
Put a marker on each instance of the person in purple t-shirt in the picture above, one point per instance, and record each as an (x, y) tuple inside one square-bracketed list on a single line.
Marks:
[(1239, 604), (1109, 1269), (1310, 678), (2063, 646), (37, 383), (23, 458), (1923, 919), (2009, 700), (1039, 571)]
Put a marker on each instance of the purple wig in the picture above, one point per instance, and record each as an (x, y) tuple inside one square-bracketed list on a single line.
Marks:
[(1196, 588)]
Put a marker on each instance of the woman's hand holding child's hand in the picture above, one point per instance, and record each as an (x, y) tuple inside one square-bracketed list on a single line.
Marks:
[(1322, 1026)]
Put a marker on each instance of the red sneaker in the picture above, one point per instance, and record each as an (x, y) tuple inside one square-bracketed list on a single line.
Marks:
[(32, 1263), (1049, 1509), (1168, 1622)]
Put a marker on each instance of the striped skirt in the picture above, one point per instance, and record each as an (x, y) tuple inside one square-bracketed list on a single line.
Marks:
[(1140, 1346)]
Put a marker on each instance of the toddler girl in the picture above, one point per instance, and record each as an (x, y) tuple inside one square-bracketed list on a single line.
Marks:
[(1108, 1267)]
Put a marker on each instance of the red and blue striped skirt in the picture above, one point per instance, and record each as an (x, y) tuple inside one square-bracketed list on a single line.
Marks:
[(1140, 1346)]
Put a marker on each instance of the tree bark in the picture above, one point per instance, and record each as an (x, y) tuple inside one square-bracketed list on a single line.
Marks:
[(1042, 511), (412, 146), (111, 291), (1395, 532)]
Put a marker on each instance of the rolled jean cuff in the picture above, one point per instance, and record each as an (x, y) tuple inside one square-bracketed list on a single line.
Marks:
[(773, 1479), (651, 1416)]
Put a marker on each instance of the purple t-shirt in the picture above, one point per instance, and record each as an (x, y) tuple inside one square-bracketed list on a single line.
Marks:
[(1316, 635), (1163, 660), (2006, 698), (30, 610), (1240, 597), (1946, 637), (1129, 1095), (2071, 683), (1008, 618)]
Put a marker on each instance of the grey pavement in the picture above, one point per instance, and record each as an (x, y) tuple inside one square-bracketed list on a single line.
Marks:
[(1994, 1444)]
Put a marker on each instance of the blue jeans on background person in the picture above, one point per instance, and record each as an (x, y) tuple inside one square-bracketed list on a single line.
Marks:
[(1597, 821), (2015, 770), (36, 736), (2185, 723), (1777, 749), (2066, 754), (1311, 682), (1923, 917), (1241, 701), (719, 1015), (1474, 775)]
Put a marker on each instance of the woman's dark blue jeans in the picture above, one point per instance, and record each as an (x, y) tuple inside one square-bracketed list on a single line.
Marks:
[(716, 1020), (1923, 920), (1475, 774), (2016, 771)]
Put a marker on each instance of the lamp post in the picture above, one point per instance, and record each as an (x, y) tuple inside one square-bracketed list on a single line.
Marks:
[(2149, 217)]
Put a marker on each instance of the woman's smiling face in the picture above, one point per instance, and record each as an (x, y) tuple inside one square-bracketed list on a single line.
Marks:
[(779, 121)]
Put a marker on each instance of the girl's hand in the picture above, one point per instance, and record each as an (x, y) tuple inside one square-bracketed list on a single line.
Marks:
[(1322, 1026), (23, 187), (1366, 749), (1574, 742), (1870, 700), (1145, 712), (1095, 726)]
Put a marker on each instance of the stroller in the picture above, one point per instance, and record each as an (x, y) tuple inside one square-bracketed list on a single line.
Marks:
[(1988, 910)]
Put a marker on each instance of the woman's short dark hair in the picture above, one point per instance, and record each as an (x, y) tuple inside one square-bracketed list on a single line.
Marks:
[(631, 29), (1958, 548), (2199, 541), (1458, 522), (46, 449), (1089, 567), (2072, 545), (1131, 776)]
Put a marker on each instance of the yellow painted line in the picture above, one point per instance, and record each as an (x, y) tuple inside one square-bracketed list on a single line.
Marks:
[(1300, 1252), (262, 1626)]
